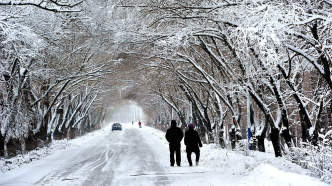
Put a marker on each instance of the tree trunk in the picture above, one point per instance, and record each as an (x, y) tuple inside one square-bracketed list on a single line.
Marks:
[(288, 138), (260, 140), (58, 135), (232, 137), (5, 149), (43, 135), (2, 144), (274, 135), (261, 137), (13, 147), (221, 139), (305, 131), (72, 133), (22, 143), (31, 142), (183, 121)]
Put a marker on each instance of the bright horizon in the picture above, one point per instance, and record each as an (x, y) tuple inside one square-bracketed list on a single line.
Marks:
[(127, 113)]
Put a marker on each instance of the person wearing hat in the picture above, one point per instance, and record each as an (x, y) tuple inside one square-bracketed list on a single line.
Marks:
[(174, 136), (192, 142)]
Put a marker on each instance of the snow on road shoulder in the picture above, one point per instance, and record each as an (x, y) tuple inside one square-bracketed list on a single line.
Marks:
[(259, 169), (40, 153), (265, 174), (213, 157)]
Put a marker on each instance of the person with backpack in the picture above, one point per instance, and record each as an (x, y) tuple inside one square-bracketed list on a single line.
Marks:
[(192, 142), (174, 136), (139, 123)]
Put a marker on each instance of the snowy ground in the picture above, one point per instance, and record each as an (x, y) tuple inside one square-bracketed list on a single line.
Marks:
[(139, 156)]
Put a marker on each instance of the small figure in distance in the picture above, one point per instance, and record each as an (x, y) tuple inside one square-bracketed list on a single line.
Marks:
[(192, 142), (139, 123), (174, 136), (132, 123)]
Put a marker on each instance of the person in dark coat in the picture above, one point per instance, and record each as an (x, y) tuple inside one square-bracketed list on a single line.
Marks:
[(174, 136), (192, 142)]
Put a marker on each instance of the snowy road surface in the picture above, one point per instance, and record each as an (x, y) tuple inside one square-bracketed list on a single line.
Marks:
[(137, 156)]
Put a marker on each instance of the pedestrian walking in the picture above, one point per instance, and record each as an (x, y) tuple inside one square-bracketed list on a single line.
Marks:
[(139, 124), (192, 142), (174, 136)]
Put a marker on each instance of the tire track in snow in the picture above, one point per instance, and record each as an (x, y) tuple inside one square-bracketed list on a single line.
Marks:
[(107, 159)]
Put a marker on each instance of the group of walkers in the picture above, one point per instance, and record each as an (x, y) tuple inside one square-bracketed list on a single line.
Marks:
[(174, 136)]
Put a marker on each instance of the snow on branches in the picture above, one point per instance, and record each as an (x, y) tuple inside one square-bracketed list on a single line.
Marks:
[(50, 5)]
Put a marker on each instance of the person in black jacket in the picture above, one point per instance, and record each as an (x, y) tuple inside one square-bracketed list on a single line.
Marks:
[(174, 136), (192, 142)]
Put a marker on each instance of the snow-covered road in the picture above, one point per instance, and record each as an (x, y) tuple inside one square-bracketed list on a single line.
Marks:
[(129, 157), (139, 156), (112, 159)]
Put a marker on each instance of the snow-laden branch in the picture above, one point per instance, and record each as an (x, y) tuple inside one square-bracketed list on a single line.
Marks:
[(221, 60), (87, 109), (265, 109), (218, 6), (78, 108), (307, 56), (211, 81), (311, 19), (44, 4), (56, 97)]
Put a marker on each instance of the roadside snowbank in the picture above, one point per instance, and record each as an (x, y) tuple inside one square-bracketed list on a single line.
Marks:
[(19, 160), (39, 153), (258, 169)]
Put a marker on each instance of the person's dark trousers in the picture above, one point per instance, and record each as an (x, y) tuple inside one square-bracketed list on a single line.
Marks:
[(189, 156), (177, 149)]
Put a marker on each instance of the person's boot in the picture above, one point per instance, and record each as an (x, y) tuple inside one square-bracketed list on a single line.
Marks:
[(179, 165)]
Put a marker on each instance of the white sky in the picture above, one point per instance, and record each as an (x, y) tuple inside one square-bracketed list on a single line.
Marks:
[(127, 113)]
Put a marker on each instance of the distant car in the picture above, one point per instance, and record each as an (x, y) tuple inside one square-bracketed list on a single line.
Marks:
[(116, 126)]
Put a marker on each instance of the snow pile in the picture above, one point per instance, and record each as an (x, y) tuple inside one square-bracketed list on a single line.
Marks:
[(39, 153), (15, 162), (317, 159), (215, 157), (257, 166)]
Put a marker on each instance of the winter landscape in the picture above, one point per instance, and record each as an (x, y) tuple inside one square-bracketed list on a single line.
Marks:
[(248, 80)]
